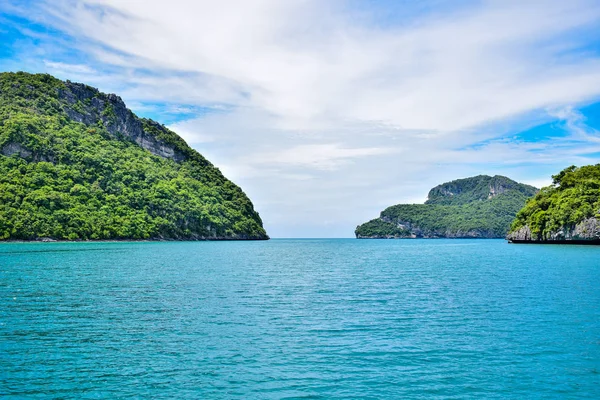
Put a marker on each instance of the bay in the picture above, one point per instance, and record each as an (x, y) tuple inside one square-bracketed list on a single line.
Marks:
[(293, 318)]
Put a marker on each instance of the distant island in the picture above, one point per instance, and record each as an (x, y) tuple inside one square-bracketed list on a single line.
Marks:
[(77, 164), (568, 211), (477, 207)]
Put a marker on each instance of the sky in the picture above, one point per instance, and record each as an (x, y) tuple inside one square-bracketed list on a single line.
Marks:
[(327, 112)]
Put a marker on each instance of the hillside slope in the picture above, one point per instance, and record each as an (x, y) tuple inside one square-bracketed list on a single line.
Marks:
[(568, 211), (75, 163), (477, 207)]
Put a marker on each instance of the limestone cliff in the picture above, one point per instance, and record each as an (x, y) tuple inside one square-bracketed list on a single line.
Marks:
[(89, 106), (586, 230)]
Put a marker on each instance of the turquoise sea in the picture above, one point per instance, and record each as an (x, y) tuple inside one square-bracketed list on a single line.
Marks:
[(313, 319)]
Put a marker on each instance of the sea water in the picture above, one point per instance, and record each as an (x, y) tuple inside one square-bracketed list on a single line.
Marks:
[(319, 319)]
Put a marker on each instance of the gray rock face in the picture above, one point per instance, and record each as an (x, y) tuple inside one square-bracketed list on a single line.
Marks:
[(15, 148), (88, 106), (521, 234), (586, 230), (497, 189)]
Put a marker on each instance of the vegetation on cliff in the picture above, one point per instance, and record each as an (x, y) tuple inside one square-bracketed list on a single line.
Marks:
[(481, 206), (77, 164), (555, 212)]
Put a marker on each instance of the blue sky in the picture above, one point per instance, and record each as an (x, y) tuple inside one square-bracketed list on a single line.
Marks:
[(327, 112)]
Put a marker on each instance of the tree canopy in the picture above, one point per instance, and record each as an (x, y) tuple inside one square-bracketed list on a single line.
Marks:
[(573, 196), (68, 170)]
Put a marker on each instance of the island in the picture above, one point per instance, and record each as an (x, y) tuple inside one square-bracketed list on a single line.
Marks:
[(478, 207), (567, 212), (77, 164)]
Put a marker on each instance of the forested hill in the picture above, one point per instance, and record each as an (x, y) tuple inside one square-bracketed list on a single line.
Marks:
[(567, 211), (481, 187), (478, 207), (75, 163)]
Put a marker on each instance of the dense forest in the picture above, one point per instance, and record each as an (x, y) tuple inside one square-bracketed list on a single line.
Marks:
[(567, 210), (77, 164), (481, 206)]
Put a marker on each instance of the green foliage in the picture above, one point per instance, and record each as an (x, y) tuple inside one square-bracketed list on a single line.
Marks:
[(573, 197), (481, 206), (377, 228), (68, 180), (477, 188), (109, 112)]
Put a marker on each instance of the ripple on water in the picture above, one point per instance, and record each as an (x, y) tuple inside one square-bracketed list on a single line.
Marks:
[(312, 319)]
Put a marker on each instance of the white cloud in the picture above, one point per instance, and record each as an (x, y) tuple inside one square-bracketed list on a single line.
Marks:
[(326, 114), (65, 68), (309, 65), (319, 156), (539, 183), (574, 122)]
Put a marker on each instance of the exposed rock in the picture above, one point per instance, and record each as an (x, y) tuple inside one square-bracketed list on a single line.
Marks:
[(23, 152), (521, 234), (586, 230), (16, 148), (496, 190), (89, 106)]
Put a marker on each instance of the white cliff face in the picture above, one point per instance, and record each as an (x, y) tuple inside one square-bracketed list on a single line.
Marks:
[(587, 229), (521, 234), (496, 190)]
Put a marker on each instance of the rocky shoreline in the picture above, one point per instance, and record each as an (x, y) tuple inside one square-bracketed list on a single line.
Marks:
[(585, 232)]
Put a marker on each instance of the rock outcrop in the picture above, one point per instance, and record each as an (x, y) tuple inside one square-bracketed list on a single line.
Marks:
[(587, 230), (89, 106)]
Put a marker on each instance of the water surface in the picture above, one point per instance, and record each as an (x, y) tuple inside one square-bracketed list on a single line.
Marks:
[(319, 319)]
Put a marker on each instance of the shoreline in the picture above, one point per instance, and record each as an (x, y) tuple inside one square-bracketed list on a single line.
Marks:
[(586, 242), (427, 238), (49, 240)]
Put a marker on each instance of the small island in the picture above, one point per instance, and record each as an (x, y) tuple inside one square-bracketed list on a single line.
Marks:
[(566, 212), (77, 164), (478, 207)]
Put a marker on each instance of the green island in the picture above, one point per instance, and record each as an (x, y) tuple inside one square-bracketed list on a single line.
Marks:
[(477, 207), (76, 164), (568, 211)]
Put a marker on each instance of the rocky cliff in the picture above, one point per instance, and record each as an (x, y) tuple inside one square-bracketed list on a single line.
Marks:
[(89, 106), (587, 230)]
